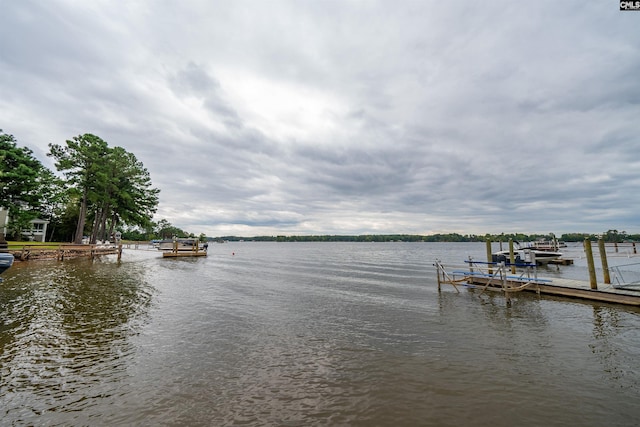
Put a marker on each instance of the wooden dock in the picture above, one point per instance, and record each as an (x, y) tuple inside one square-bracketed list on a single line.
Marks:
[(63, 251), (177, 254), (561, 261), (562, 287), (500, 278)]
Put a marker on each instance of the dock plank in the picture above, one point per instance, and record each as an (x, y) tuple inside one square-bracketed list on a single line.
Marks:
[(170, 254), (558, 286)]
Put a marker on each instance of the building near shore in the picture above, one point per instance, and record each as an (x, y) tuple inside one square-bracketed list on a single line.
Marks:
[(37, 231)]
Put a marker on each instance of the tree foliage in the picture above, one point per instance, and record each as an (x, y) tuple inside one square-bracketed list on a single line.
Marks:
[(24, 182), (162, 230), (80, 162), (113, 187), (609, 236)]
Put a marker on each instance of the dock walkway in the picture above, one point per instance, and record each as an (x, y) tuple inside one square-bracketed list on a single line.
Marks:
[(61, 252), (499, 277)]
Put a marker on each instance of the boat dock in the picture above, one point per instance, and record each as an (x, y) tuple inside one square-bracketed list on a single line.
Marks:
[(177, 254), (561, 261), (511, 278), (181, 250), (61, 251), (497, 277)]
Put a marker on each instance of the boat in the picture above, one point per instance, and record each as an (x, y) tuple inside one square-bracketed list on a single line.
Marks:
[(6, 261), (182, 245), (527, 256), (548, 245)]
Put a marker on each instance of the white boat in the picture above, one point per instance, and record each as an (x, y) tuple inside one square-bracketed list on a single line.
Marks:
[(548, 245), (6, 261), (527, 256)]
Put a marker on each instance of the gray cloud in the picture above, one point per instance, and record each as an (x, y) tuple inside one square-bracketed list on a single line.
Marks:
[(288, 117)]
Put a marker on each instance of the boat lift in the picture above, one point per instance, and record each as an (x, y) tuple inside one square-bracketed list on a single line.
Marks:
[(514, 275), (499, 276)]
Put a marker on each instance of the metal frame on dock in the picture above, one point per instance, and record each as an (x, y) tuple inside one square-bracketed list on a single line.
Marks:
[(494, 276)]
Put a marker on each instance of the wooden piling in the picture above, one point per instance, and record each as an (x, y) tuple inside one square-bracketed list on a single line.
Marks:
[(512, 257), (175, 253), (60, 252), (605, 264), (592, 268), (489, 257)]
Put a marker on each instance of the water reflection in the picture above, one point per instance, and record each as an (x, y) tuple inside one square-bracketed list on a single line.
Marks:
[(616, 345), (64, 328), (298, 334)]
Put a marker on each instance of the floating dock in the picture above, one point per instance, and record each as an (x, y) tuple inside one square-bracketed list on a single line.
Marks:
[(177, 251), (561, 261), (171, 254)]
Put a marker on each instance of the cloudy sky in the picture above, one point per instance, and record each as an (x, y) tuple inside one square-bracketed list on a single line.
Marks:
[(273, 117)]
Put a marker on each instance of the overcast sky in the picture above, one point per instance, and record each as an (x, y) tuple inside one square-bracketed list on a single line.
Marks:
[(259, 117)]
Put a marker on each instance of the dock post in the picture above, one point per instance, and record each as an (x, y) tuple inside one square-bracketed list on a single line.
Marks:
[(119, 251), (505, 284), (438, 271), (605, 264), (592, 268), (634, 248), (489, 258), (512, 258)]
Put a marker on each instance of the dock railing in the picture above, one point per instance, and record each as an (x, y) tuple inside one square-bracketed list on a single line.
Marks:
[(502, 276), (514, 277), (626, 276), (60, 251)]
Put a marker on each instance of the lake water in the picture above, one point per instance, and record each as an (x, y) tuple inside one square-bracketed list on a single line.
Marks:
[(305, 334)]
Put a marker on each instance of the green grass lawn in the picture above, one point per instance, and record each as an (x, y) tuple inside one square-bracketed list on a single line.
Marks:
[(14, 245)]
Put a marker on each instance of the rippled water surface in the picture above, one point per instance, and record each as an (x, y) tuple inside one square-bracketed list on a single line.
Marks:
[(305, 334)]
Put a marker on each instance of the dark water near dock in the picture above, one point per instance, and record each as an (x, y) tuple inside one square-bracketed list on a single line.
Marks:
[(296, 334)]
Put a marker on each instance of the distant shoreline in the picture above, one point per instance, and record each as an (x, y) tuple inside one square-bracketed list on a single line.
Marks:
[(449, 238)]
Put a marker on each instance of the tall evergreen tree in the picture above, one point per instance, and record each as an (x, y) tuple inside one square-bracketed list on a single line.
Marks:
[(23, 180), (135, 201), (81, 161), (114, 186)]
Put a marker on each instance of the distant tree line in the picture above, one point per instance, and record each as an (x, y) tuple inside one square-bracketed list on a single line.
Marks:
[(164, 230), (609, 236)]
